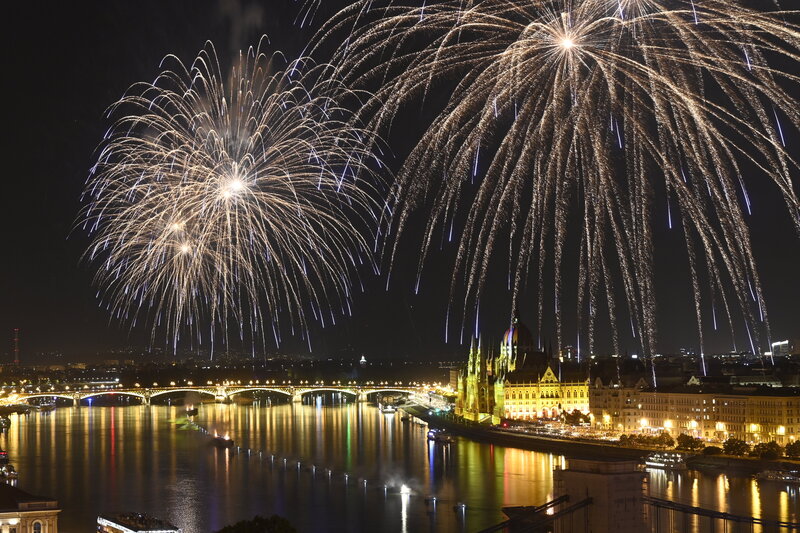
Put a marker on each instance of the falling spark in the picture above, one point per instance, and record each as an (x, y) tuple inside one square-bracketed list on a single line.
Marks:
[(219, 202), (682, 102)]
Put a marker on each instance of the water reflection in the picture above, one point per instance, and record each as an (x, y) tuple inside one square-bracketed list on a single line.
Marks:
[(326, 467)]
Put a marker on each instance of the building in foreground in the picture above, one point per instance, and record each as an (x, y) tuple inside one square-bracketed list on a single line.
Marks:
[(615, 490), (521, 383), (21, 512)]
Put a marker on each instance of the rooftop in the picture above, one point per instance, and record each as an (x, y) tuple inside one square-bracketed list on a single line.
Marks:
[(14, 499), (722, 388)]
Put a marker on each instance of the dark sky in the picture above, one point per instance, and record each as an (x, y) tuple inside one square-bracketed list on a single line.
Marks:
[(67, 61)]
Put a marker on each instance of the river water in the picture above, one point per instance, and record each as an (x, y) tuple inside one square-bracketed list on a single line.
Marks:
[(353, 464)]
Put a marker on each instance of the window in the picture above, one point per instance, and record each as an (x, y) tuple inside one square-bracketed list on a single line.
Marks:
[(37, 527)]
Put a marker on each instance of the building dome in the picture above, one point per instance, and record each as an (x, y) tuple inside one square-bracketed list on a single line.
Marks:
[(518, 337)]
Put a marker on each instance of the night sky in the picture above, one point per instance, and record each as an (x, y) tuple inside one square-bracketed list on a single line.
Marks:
[(67, 61)]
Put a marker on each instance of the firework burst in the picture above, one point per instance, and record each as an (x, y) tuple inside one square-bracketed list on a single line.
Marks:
[(594, 108), (224, 206)]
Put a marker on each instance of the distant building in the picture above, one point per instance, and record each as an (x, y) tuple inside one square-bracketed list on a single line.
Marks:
[(133, 523), (21, 512), (785, 347), (567, 353), (522, 383), (712, 411)]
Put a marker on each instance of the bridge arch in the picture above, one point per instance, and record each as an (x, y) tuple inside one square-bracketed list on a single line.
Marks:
[(303, 392), (50, 395), (388, 389), (265, 389), (162, 392), (111, 392)]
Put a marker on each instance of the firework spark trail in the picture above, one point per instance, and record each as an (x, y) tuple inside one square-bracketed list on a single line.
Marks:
[(229, 203), (538, 80)]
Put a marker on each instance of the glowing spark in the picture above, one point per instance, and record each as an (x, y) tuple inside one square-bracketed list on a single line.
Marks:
[(680, 90), (193, 136)]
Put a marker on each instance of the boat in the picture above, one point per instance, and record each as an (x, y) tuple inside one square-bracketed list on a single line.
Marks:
[(783, 476), (8, 472), (5, 422), (405, 418), (388, 408), (144, 523), (440, 436), (3, 458), (222, 441), (665, 461), (191, 411), (47, 407)]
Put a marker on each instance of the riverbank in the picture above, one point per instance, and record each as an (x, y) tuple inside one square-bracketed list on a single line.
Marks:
[(592, 450), (570, 448)]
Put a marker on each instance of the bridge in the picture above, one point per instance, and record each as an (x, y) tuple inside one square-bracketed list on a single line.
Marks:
[(220, 393)]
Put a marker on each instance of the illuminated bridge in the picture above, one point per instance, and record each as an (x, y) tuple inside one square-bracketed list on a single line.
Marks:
[(220, 393)]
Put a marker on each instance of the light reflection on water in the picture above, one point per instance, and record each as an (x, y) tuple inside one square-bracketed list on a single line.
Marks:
[(105, 459)]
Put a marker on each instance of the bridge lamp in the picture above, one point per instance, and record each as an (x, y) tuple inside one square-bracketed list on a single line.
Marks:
[(155, 384), (190, 383), (171, 383), (136, 385)]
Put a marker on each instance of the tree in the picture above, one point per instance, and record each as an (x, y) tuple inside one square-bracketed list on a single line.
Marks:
[(712, 450), (575, 418), (664, 439), (734, 446), (767, 450), (259, 524), (687, 442), (793, 449)]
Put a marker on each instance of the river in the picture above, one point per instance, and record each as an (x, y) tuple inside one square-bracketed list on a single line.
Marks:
[(354, 463)]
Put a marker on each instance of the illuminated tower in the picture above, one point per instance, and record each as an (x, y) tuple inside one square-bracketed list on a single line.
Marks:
[(16, 346)]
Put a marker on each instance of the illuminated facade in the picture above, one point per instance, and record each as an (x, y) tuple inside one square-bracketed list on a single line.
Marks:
[(21, 512), (518, 384), (529, 396), (748, 413)]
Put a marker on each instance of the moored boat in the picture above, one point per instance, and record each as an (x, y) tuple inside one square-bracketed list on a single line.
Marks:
[(665, 461), (783, 476), (440, 436), (8, 472)]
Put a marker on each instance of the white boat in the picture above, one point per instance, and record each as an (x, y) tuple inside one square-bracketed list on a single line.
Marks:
[(784, 476), (388, 408), (8, 472), (665, 461)]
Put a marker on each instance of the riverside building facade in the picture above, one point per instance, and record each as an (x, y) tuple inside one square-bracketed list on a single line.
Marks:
[(714, 413)]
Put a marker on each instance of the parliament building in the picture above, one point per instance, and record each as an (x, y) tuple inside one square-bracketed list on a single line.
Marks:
[(520, 383)]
